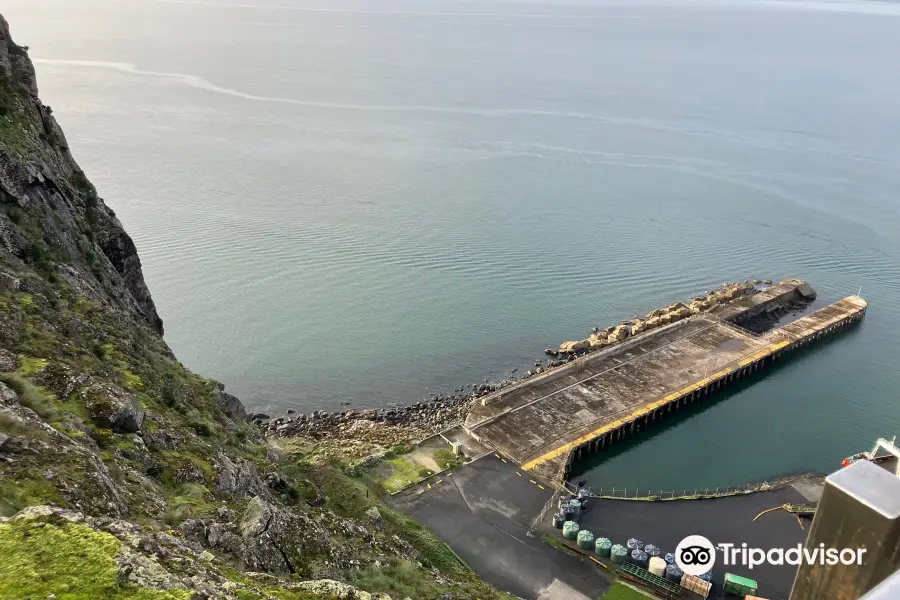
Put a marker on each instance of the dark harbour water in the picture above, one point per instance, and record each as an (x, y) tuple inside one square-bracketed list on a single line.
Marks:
[(369, 202)]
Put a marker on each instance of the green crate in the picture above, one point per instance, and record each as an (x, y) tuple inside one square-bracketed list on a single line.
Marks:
[(740, 586)]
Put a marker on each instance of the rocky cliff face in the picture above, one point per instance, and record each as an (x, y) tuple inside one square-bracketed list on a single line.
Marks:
[(51, 212), (123, 474)]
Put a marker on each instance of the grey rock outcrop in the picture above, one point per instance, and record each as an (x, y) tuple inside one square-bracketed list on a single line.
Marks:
[(239, 477), (8, 283), (43, 180), (274, 539), (61, 379), (232, 406), (7, 361), (329, 588), (7, 396), (119, 248), (95, 491), (113, 408), (374, 514)]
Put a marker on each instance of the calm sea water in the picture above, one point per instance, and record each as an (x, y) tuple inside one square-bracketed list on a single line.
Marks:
[(367, 202)]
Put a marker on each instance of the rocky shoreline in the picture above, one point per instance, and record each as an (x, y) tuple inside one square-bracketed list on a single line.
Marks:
[(403, 423), (421, 417)]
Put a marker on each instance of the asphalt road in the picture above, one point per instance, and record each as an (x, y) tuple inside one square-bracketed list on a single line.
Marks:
[(483, 511)]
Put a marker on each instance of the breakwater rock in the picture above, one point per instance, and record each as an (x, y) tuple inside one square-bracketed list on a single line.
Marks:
[(708, 302)]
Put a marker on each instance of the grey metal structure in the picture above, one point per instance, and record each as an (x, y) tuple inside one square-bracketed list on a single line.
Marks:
[(889, 589), (860, 508)]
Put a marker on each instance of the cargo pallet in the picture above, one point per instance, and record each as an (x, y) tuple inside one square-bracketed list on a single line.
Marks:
[(660, 586)]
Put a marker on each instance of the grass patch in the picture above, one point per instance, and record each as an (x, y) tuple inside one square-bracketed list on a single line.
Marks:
[(405, 472), (17, 494), (30, 366), (83, 306), (202, 424), (398, 450), (131, 381), (66, 417), (559, 545), (175, 460), (65, 560), (400, 578), (30, 395), (620, 591), (447, 460), (192, 500), (12, 427)]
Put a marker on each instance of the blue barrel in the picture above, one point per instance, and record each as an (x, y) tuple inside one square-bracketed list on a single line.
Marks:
[(706, 576), (652, 550), (640, 558), (669, 558), (673, 573), (634, 544), (558, 520)]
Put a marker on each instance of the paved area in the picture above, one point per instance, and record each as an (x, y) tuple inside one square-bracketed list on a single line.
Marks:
[(721, 520), (483, 511), (471, 447), (810, 489), (540, 421)]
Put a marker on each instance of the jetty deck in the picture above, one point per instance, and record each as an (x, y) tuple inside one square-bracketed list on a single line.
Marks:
[(544, 422)]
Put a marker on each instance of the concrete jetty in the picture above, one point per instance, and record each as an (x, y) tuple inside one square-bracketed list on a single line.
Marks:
[(546, 422)]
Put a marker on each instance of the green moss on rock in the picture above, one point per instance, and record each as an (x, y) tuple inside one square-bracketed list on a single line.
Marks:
[(67, 560)]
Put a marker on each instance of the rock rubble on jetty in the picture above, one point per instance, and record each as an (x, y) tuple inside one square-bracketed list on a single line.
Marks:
[(657, 318)]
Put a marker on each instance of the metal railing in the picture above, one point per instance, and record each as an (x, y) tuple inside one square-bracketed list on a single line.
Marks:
[(653, 494)]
